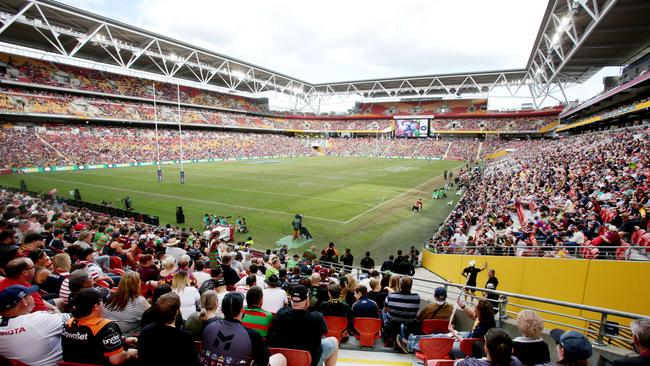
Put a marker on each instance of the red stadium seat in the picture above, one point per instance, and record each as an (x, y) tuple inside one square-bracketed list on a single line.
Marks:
[(369, 330), (439, 363), (467, 345), (294, 357), (434, 348), (434, 326), (337, 326), (622, 252), (636, 236)]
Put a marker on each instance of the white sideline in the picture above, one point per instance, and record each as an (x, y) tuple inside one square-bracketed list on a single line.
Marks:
[(412, 190)]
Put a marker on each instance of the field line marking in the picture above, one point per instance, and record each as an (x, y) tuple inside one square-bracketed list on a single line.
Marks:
[(414, 189), (248, 190), (183, 198)]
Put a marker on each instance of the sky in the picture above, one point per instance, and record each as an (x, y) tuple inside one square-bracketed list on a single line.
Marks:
[(340, 40)]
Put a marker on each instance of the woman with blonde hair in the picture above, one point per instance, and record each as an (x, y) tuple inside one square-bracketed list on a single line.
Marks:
[(348, 293), (393, 283), (126, 305), (61, 264), (190, 297), (168, 266), (530, 348), (198, 320)]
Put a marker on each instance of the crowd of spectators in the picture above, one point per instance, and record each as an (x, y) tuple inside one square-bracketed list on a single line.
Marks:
[(38, 72), (84, 287), (58, 144), (505, 124), (586, 190)]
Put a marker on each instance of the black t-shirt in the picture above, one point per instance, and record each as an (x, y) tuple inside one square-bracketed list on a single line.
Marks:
[(230, 275), (406, 268), (387, 266), (317, 296), (91, 341), (179, 346), (471, 272), (367, 263), (298, 329), (57, 243), (531, 352), (347, 259), (335, 308)]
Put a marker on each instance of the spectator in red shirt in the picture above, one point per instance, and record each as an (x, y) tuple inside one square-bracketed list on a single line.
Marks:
[(20, 271)]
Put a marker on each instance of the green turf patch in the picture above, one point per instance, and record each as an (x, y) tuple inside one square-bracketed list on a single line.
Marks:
[(293, 244), (357, 203)]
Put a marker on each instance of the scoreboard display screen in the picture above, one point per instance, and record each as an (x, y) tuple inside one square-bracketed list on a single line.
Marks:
[(411, 127)]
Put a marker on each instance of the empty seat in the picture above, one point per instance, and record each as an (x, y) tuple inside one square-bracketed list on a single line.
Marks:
[(429, 326), (337, 326), (369, 330), (467, 345), (434, 348), (439, 363)]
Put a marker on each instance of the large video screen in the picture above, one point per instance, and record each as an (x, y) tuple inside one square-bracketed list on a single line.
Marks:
[(411, 127)]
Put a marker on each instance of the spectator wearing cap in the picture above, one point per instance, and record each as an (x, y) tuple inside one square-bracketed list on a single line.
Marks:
[(573, 348), (298, 328), (89, 338), (19, 327), (163, 335), (439, 308), (274, 297), (229, 339), (31, 241), (20, 271), (254, 316), (530, 348), (641, 338)]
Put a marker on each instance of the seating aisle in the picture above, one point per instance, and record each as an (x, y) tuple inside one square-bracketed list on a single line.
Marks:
[(360, 358)]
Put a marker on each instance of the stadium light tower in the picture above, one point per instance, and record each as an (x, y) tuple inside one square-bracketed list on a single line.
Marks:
[(180, 132)]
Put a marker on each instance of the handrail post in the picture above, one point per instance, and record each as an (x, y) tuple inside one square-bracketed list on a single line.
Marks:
[(503, 303), (601, 330)]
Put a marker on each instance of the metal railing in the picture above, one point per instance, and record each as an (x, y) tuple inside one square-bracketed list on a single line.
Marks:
[(604, 328), (630, 252)]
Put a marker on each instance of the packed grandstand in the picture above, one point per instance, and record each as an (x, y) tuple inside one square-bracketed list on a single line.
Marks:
[(82, 284)]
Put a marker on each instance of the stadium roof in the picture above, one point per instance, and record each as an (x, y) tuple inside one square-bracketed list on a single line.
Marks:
[(576, 38)]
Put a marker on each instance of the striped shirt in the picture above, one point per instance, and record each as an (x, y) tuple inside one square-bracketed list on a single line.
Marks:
[(257, 319), (402, 306)]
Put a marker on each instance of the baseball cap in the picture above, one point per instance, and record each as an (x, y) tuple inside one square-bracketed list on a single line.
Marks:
[(220, 282), (440, 295), (273, 280), (84, 301), (299, 293), (12, 295), (576, 345)]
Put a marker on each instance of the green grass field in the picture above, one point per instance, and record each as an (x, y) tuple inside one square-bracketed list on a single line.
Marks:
[(360, 203)]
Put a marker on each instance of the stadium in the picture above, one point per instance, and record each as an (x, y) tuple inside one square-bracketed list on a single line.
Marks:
[(160, 208)]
